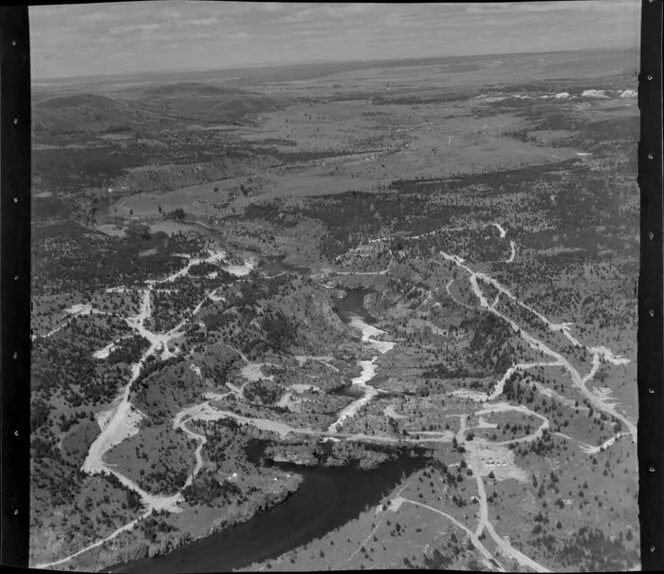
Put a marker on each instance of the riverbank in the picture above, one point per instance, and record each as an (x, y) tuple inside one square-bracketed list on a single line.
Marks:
[(128, 549), (326, 499)]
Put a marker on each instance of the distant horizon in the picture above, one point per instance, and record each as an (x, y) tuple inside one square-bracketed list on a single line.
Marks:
[(133, 38), (259, 65)]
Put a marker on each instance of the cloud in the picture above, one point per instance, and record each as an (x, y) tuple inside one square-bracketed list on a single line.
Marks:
[(83, 38), (202, 22), (512, 7), (544, 7), (174, 24), (122, 30)]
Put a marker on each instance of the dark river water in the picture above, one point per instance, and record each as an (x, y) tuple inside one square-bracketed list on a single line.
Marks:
[(275, 265), (349, 391), (353, 304), (326, 499), (104, 204)]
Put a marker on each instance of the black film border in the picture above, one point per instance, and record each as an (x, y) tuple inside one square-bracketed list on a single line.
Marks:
[(15, 210), (650, 367)]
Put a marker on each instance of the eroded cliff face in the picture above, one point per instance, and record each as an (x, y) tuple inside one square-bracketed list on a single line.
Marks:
[(310, 310)]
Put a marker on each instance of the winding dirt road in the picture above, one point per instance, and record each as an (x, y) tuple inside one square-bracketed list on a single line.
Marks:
[(474, 537), (121, 421), (577, 380)]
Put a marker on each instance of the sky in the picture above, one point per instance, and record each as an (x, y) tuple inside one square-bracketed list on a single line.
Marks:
[(172, 35)]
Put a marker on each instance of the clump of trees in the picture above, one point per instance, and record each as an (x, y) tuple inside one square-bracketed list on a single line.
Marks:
[(130, 351), (177, 214), (151, 527), (489, 347), (202, 268), (207, 488), (263, 392), (280, 331)]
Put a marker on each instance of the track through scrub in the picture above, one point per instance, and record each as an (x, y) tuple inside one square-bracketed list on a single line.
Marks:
[(599, 352), (122, 420)]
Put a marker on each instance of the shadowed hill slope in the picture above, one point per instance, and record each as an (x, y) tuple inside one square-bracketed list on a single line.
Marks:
[(80, 113), (204, 102), (95, 113), (189, 89)]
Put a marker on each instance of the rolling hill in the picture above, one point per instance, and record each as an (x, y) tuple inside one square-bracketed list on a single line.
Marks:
[(203, 102), (86, 113), (96, 113), (188, 89)]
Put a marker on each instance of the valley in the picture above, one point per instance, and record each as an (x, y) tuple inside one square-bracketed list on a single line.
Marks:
[(253, 289)]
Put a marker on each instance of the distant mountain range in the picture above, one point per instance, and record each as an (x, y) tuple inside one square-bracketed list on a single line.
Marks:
[(121, 103)]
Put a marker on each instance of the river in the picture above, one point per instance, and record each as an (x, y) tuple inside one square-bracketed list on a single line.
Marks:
[(275, 265), (326, 499), (353, 304)]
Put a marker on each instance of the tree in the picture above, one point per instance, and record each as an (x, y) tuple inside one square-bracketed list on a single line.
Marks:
[(177, 214)]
